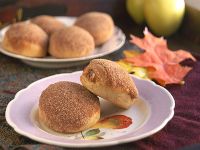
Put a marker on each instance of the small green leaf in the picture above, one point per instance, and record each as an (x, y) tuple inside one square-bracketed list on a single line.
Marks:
[(92, 132)]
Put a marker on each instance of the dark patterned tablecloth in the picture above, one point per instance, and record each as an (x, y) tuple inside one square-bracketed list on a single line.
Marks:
[(182, 130)]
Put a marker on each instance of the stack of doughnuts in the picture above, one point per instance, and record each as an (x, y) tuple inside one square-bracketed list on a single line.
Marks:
[(44, 35), (68, 107)]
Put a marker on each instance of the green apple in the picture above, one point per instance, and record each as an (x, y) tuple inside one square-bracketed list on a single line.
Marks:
[(135, 10), (164, 16)]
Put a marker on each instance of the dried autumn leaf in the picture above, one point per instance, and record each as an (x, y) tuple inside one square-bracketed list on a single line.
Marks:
[(162, 63), (131, 53), (140, 72)]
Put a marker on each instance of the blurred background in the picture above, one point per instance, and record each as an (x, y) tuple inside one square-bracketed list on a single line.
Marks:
[(177, 20)]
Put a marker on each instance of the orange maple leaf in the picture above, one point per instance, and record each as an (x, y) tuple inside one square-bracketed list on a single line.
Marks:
[(162, 63)]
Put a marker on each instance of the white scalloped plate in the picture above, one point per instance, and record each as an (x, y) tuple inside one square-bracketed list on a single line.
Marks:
[(113, 44), (149, 114)]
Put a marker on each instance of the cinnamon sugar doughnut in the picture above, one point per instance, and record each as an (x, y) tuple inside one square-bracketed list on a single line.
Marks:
[(48, 23), (68, 107), (99, 25), (71, 42), (109, 81), (26, 39)]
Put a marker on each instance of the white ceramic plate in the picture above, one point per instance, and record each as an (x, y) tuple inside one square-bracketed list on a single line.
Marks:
[(113, 44), (149, 115)]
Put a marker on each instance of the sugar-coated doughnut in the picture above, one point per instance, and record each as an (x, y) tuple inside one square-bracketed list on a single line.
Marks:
[(48, 23), (68, 107), (71, 42), (26, 39), (108, 80), (99, 25)]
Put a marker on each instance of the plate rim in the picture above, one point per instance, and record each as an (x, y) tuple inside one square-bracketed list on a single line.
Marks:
[(88, 144), (56, 60)]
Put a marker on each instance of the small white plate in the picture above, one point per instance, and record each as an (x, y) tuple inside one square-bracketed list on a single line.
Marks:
[(149, 115), (113, 44)]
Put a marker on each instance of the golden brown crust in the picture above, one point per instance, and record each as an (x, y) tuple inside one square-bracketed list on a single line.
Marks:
[(99, 25), (110, 76), (71, 42), (48, 23), (68, 107), (26, 39)]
